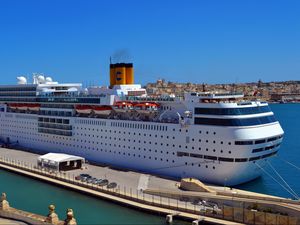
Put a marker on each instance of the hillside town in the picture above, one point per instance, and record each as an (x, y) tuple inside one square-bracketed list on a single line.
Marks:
[(283, 91)]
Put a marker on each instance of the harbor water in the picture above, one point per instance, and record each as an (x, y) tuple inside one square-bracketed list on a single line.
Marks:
[(289, 118), (35, 196)]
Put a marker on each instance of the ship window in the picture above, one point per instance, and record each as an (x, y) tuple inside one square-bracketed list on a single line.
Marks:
[(241, 160), (235, 122), (254, 158), (196, 155), (180, 154), (272, 139), (243, 142), (210, 157), (232, 111), (270, 147), (257, 150), (225, 159)]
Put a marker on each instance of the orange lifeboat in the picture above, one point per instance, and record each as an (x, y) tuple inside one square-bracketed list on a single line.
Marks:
[(34, 107), (122, 107), (13, 105), (22, 106), (84, 109), (146, 107), (102, 110)]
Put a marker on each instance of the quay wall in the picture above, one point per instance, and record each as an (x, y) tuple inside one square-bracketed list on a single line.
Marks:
[(23, 216), (151, 203)]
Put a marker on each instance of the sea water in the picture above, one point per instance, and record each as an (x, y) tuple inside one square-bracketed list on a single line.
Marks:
[(289, 153)]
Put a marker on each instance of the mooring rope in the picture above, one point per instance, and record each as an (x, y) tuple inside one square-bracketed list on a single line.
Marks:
[(283, 179), (289, 163), (276, 180)]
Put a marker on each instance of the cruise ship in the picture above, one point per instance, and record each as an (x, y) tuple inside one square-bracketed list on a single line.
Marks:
[(219, 138)]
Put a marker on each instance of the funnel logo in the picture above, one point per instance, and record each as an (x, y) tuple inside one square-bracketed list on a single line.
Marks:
[(118, 76)]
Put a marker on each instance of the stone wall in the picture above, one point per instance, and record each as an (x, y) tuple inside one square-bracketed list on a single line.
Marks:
[(257, 217)]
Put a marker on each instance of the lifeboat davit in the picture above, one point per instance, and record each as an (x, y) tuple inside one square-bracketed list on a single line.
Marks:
[(146, 107), (34, 107), (84, 109), (102, 110), (122, 107)]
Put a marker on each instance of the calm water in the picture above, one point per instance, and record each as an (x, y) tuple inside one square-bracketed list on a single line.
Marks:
[(35, 196), (289, 118)]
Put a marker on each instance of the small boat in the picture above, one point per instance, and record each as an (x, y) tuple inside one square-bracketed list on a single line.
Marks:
[(122, 107), (103, 110), (84, 109), (146, 107)]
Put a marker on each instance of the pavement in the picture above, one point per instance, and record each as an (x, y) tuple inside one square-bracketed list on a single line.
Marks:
[(10, 222), (125, 179), (134, 183)]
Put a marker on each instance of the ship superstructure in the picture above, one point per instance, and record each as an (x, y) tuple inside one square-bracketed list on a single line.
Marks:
[(216, 137)]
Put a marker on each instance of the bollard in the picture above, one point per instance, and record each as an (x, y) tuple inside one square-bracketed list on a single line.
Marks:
[(70, 220), (52, 216), (169, 218), (4, 205), (195, 222)]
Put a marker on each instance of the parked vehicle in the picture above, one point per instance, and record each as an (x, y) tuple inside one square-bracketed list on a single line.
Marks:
[(96, 181), (78, 177), (112, 185), (85, 175), (84, 179), (89, 180), (103, 182)]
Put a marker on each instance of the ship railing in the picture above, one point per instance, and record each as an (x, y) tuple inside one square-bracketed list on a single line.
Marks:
[(150, 99)]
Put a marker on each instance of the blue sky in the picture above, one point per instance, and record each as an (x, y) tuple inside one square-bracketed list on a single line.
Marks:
[(211, 41)]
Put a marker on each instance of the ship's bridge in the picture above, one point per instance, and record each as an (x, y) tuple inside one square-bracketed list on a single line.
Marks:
[(208, 97), (227, 109)]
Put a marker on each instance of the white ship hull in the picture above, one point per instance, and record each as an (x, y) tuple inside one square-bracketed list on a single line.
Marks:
[(149, 146)]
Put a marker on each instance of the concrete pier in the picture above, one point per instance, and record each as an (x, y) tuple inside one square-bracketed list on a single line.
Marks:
[(134, 190)]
